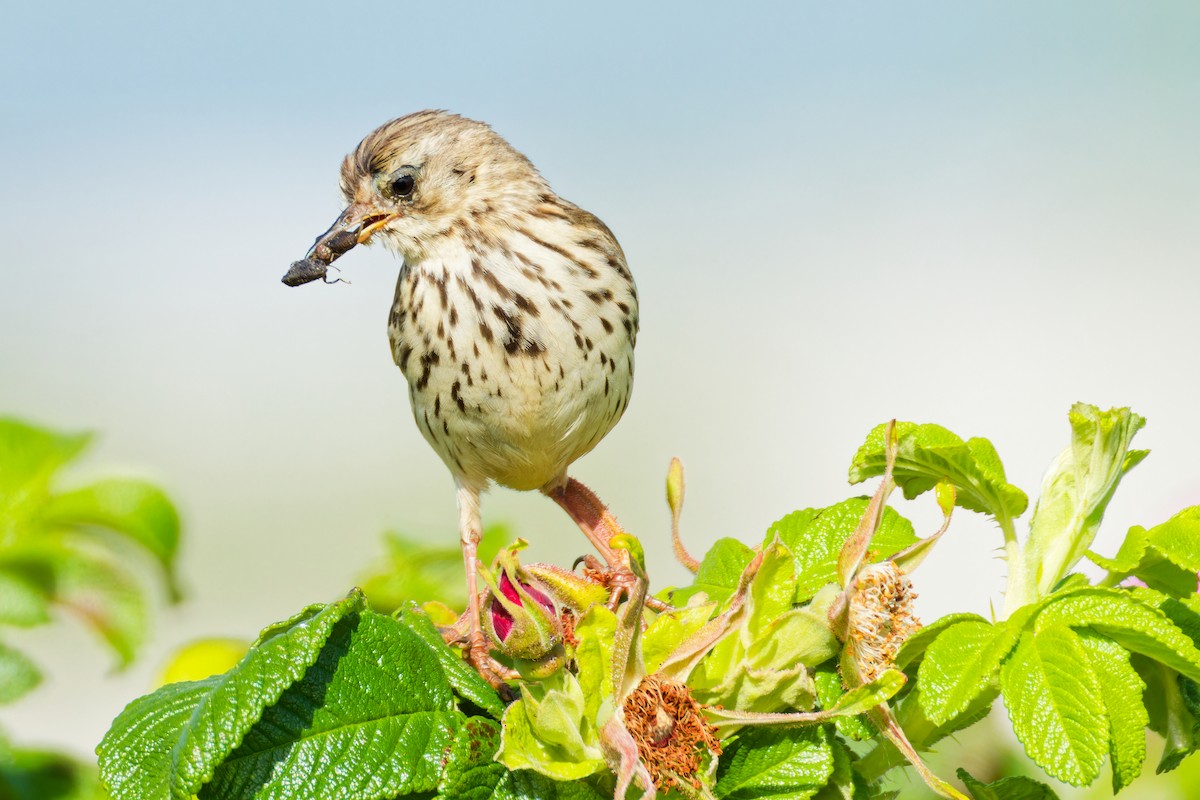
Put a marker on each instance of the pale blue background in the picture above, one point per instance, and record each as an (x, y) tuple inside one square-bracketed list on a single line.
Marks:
[(974, 214)]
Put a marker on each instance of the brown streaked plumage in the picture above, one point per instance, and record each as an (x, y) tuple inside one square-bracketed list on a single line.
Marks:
[(514, 319)]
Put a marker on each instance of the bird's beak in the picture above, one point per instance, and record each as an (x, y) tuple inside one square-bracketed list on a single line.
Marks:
[(354, 226)]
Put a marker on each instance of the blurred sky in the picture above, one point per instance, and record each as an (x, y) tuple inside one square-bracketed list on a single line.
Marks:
[(974, 214)]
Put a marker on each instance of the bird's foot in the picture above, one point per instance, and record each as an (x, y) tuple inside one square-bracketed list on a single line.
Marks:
[(476, 651), (479, 656), (619, 580)]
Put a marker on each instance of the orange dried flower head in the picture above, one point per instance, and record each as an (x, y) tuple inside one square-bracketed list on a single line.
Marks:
[(671, 732)]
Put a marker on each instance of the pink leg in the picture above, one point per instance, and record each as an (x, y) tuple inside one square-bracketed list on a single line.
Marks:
[(470, 529), (590, 514)]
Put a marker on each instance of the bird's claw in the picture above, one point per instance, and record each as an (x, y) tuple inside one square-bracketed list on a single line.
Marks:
[(479, 656)]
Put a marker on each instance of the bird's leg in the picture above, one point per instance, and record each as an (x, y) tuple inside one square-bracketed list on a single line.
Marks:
[(599, 526), (470, 528), (590, 514)]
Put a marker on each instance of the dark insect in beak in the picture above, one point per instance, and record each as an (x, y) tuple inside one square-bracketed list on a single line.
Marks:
[(328, 247)]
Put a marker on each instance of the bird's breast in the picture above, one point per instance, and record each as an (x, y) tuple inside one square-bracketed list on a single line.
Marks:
[(519, 357)]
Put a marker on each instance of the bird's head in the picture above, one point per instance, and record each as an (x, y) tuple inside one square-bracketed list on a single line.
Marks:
[(420, 178)]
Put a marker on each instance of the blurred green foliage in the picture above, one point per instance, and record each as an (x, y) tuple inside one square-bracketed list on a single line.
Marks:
[(78, 548), (417, 572)]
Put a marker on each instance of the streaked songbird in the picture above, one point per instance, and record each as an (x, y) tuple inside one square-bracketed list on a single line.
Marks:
[(514, 319)]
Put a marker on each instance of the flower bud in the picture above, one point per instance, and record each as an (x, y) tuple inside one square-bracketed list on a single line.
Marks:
[(521, 619)]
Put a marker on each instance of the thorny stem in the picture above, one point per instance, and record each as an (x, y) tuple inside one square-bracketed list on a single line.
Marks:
[(1019, 589), (886, 722)]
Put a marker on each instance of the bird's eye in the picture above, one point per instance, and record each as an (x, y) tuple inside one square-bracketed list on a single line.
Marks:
[(402, 186)]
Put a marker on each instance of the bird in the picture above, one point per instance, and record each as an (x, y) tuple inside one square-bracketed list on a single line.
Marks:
[(514, 319)]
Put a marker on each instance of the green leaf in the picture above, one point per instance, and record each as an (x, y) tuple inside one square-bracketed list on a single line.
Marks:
[(929, 453), (1166, 557), (168, 744), (549, 739), (780, 763), (465, 681), (1173, 705), (718, 575), (924, 733), (761, 663), (960, 665), (1015, 788), (42, 775), (23, 600), (86, 579), (471, 769), (1183, 612), (1121, 690), (472, 773), (135, 509), (1134, 625), (670, 629), (29, 457), (18, 675), (97, 587), (862, 699), (914, 646), (829, 691), (1050, 691), (816, 535), (369, 744), (1075, 494), (1178, 539), (844, 783), (414, 571)]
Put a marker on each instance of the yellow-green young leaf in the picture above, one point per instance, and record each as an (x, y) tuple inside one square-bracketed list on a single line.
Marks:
[(597, 633), (1121, 690), (960, 665), (1052, 695), (1015, 788), (670, 629), (815, 537), (553, 734), (927, 454), (1166, 557), (866, 697), (1128, 556), (792, 763), (1178, 539), (1132, 624), (718, 575), (472, 772)]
